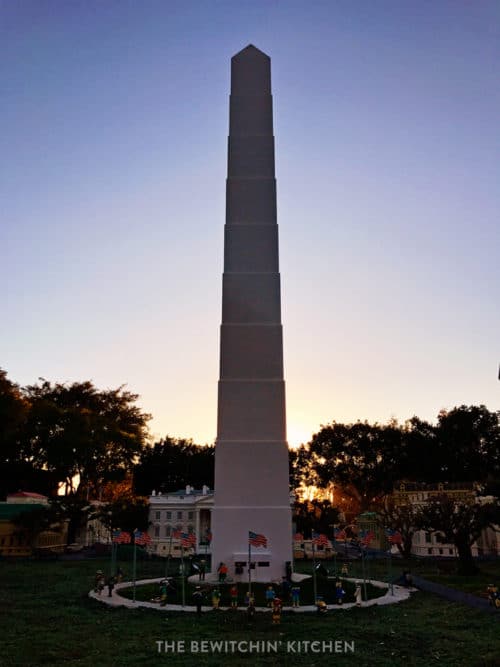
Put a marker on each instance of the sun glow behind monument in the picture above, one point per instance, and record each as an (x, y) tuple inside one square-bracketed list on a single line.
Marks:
[(297, 434)]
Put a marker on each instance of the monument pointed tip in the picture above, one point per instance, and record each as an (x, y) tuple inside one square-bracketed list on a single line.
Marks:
[(250, 51), (250, 72)]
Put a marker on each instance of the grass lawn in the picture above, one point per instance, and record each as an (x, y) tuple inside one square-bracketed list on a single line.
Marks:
[(476, 584), (427, 568), (48, 619)]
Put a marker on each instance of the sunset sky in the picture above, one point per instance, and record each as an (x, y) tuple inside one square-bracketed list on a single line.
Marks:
[(114, 122)]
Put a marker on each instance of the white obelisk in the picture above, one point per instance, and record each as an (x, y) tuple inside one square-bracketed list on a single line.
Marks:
[(251, 454)]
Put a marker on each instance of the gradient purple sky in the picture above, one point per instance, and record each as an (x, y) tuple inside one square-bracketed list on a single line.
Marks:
[(114, 121)]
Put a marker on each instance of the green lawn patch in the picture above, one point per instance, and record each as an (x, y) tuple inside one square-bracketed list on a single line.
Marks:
[(48, 619)]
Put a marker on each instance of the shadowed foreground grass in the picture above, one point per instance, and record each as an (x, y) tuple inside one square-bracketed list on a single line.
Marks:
[(47, 619)]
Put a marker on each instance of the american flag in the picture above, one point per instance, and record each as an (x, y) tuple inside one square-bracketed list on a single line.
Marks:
[(340, 534), (394, 536), (366, 536), (121, 537), (141, 538), (177, 534), (257, 540), (319, 540), (188, 540), (298, 537)]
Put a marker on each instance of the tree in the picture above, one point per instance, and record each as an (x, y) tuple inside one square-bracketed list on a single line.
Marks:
[(16, 471), (13, 410), (461, 523), (300, 470), (422, 457), (469, 440), (127, 513), (76, 511), (317, 515), (464, 446), (79, 432), (363, 458), (172, 463), (403, 519), (113, 491)]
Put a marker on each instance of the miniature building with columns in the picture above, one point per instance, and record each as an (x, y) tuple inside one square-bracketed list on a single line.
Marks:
[(189, 511), (426, 543)]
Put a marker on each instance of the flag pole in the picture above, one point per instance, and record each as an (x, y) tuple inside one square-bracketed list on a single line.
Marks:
[(249, 566), (389, 575), (112, 555), (183, 577), (334, 552), (390, 569), (315, 590), (134, 566), (364, 571), (167, 568)]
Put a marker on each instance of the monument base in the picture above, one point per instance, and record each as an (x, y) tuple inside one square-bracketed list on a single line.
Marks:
[(231, 525)]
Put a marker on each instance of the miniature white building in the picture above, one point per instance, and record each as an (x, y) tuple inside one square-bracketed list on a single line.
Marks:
[(188, 511), (426, 543)]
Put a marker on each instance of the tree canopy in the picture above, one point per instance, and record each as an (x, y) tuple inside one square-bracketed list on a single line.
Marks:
[(76, 434), (172, 463), (461, 523), (13, 408), (469, 444), (17, 471), (366, 460), (363, 458), (89, 439), (315, 515)]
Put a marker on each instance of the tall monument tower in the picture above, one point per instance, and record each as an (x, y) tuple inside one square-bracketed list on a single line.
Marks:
[(251, 453)]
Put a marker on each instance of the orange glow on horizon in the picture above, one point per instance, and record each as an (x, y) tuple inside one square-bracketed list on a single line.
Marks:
[(298, 434)]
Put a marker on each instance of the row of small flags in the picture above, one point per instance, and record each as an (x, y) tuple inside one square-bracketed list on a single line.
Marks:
[(122, 537), (319, 539), (365, 537), (256, 539), (140, 537), (187, 539)]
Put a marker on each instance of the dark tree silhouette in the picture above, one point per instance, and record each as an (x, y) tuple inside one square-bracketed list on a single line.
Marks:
[(171, 464), (317, 515), (16, 471), (78, 430), (363, 458), (461, 524), (403, 519)]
